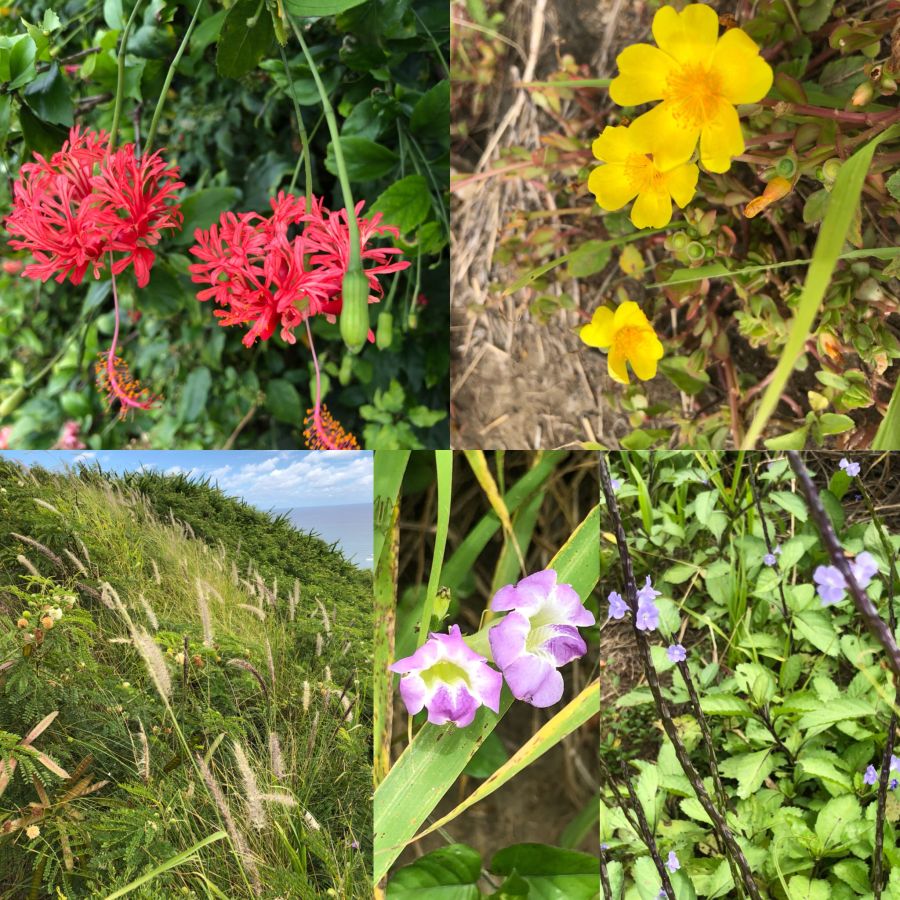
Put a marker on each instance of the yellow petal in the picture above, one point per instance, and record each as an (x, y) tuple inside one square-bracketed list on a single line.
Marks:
[(615, 365), (645, 357), (744, 76), (721, 139), (599, 333), (630, 315), (689, 36), (652, 209), (611, 186), (672, 142), (681, 183), (615, 144), (643, 70)]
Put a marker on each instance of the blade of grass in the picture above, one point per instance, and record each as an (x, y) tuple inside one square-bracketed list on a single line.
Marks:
[(426, 770), (443, 460), (841, 208), (389, 468), (524, 520), (463, 558), (385, 592), (567, 720), (479, 464), (888, 435), (170, 863)]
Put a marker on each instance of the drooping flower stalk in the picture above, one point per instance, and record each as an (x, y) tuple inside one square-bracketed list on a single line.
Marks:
[(321, 430), (113, 375)]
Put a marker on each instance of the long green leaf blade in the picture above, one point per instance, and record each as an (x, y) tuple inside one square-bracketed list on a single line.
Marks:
[(170, 863)]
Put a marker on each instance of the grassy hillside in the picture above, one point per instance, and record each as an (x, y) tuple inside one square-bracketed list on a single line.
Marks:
[(184, 686)]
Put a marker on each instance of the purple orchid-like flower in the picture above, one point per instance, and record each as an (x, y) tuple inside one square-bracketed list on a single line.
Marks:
[(676, 653), (617, 606), (851, 468), (892, 784), (539, 634), (449, 678), (831, 584), (871, 775), (672, 863)]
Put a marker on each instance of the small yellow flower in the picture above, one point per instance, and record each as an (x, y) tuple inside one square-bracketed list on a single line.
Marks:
[(700, 78), (629, 337), (631, 171), (32, 831)]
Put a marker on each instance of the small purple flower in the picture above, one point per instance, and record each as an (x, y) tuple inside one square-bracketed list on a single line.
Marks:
[(895, 764), (851, 468), (770, 559), (647, 616), (672, 863), (617, 606), (449, 678), (831, 584), (871, 776), (539, 635), (616, 484), (892, 784), (676, 653), (604, 846), (354, 845), (647, 594)]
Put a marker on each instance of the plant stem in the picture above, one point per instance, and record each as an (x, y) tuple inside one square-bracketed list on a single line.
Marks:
[(304, 154), (120, 83), (154, 123), (355, 262)]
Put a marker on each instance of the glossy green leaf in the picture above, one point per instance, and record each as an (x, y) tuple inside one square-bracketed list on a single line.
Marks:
[(283, 401), (204, 207), (365, 160), (193, 397), (246, 35), (320, 7), (449, 873), (406, 203)]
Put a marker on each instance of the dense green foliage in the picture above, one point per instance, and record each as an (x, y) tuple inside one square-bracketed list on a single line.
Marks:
[(796, 697), (228, 121), (282, 653)]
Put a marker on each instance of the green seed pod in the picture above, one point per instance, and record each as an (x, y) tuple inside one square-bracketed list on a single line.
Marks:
[(786, 167), (679, 240), (13, 401), (696, 251), (830, 169), (346, 370), (384, 331), (355, 312)]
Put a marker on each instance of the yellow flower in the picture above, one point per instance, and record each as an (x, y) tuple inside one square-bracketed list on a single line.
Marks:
[(632, 170), (699, 77), (629, 337)]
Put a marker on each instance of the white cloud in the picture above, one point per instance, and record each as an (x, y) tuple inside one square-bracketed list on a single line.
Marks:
[(87, 456)]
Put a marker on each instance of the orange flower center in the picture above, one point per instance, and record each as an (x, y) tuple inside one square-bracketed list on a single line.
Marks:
[(642, 174), (694, 92), (628, 340)]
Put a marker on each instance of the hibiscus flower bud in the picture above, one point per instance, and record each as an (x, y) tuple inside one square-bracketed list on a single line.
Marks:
[(449, 679), (539, 635), (355, 310)]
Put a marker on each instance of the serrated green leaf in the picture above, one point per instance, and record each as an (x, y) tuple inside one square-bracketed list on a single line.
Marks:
[(406, 203)]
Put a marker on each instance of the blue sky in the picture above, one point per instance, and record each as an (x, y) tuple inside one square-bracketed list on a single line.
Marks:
[(266, 479)]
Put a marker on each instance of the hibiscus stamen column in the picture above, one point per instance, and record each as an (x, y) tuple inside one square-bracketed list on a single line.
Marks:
[(354, 319)]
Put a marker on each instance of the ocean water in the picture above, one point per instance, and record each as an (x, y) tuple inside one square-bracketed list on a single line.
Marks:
[(350, 526)]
